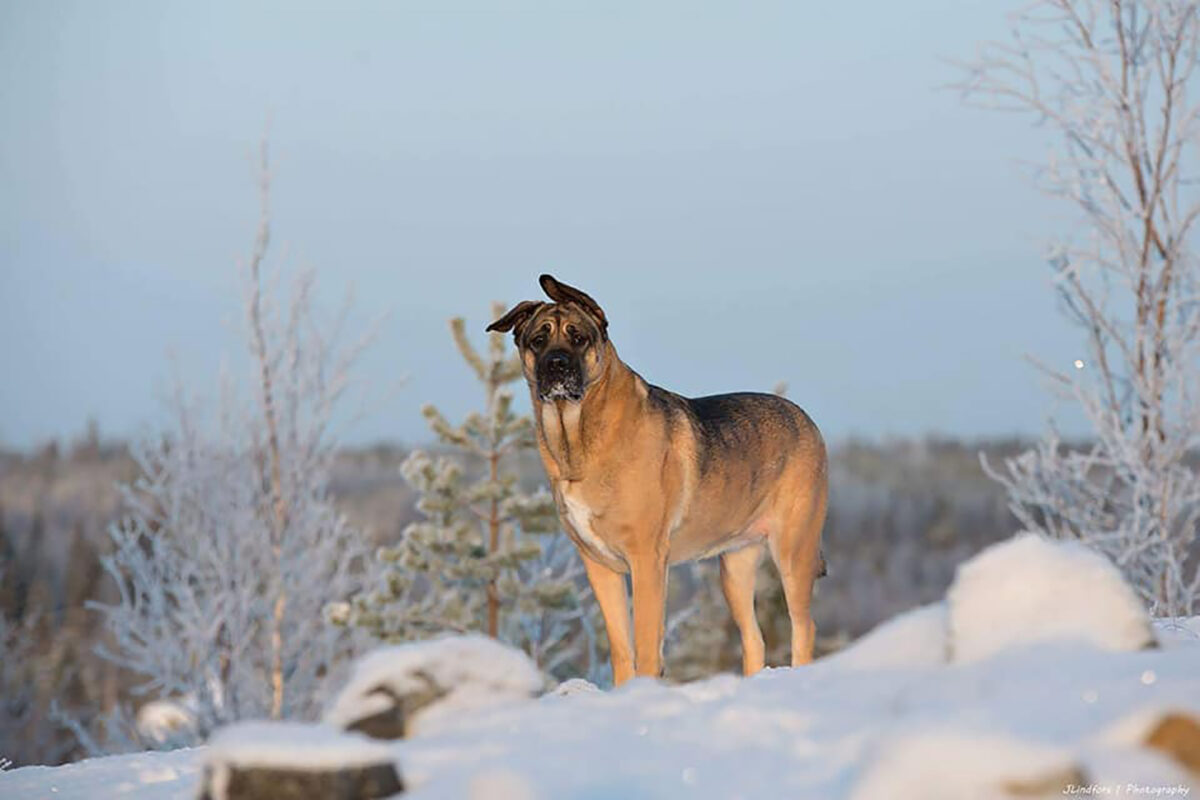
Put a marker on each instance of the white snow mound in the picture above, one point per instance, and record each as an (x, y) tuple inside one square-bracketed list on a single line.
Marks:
[(468, 672), (1030, 589), (916, 638)]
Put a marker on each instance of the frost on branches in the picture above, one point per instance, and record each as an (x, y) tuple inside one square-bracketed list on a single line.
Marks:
[(231, 546), (486, 556), (1115, 82)]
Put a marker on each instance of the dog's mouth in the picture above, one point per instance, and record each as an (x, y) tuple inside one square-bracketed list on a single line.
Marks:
[(559, 377), (566, 388)]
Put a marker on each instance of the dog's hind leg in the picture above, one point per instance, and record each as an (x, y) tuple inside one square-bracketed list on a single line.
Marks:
[(795, 547), (738, 571)]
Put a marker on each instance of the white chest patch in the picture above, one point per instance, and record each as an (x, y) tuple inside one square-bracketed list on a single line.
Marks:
[(580, 517)]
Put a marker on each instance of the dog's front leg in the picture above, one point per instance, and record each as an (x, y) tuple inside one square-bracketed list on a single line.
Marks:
[(609, 588), (649, 576)]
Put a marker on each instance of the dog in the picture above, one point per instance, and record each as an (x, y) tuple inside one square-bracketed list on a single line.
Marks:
[(644, 478)]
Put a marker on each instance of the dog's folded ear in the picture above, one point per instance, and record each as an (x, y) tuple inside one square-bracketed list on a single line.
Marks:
[(516, 317), (562, 293)]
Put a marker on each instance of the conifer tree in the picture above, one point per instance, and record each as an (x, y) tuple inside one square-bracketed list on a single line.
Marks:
[(486, 555)]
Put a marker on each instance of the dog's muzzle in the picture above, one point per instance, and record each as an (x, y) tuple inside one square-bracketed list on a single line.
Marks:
[(559, 375)]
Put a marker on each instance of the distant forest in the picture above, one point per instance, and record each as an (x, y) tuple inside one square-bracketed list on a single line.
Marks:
[(902, 515)]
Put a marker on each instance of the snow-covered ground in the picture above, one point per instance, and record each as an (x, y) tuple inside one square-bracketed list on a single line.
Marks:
[(894, 716), (816, 732)]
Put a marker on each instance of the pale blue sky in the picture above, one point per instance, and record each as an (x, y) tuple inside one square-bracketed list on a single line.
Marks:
[(755, 192)]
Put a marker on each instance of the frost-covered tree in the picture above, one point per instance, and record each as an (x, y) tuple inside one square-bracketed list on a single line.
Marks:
[(18, 686), (231, 546), (1114, 81), (486, 554)]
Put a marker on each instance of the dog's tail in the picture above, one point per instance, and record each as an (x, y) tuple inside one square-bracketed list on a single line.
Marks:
[(822, 569)]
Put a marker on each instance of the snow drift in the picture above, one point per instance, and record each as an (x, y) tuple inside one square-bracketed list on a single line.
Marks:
[(1029, 589), (1016, 593)]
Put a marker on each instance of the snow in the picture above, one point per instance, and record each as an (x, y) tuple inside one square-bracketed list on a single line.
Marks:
[(1176, 631), (1030, 589), (476, 671), (140, 776), (916, 638), (294, 745), (822, 731), (889, 717), (573, 687), (1015, 593)]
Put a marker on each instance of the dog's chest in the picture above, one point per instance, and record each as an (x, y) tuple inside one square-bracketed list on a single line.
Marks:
[(579, 515)]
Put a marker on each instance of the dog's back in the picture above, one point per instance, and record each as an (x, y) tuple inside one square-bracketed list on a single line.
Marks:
[(731, 424), (744, 425)]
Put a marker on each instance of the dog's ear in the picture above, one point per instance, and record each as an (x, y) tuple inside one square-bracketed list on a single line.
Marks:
[(516, 317), (562, 293)]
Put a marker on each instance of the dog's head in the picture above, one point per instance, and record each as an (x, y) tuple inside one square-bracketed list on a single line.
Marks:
[(563, 343)]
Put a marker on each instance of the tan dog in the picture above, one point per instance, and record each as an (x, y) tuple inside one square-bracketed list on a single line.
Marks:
[(645, 478)]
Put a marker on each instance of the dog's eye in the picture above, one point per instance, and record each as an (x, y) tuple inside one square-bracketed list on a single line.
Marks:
[(537, 341), (578, 339)]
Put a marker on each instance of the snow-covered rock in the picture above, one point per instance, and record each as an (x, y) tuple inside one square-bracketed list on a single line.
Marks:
[(953, 764), (283, 760), (422, 686), (1029, 589), (1157, 750), (916, 638), (166, 723)]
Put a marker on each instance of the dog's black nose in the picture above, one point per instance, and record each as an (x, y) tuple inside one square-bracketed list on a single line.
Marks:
[(558, 361)]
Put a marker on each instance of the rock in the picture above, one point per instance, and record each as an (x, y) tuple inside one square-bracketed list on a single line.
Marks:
[(1170, 733), (1030, 589), (388, 722), (1178, 737), (286, 760), (402, 690)]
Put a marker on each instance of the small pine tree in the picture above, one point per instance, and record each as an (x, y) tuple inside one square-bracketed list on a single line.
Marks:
[(484, 556)]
